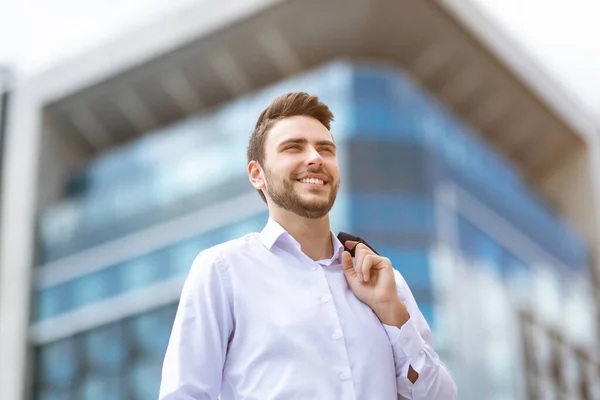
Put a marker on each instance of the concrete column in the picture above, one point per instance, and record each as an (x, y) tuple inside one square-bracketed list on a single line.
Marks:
[(17, 241)]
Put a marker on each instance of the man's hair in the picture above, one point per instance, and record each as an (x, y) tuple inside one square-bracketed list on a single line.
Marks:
[(287, 105)]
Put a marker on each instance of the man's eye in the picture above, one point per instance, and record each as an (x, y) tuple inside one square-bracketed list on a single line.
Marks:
[(292, 147), (327, 150)]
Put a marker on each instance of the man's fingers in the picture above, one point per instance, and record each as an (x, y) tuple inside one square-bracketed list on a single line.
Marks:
[(365, 260), (350, 244), (366, 267), (360, 253), (347, 264)]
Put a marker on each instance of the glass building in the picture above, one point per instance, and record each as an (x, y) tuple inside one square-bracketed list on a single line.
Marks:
[(503, 282)]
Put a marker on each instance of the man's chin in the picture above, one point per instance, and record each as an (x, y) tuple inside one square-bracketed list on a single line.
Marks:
[(317, 208), (313, 212)]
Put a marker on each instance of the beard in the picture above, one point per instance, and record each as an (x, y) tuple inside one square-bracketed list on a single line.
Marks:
[(285, 196)]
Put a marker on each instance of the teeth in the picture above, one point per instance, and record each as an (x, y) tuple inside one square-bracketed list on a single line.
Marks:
[(312, 180)]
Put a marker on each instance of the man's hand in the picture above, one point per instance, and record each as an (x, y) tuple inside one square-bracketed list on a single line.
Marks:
[(374, 284)]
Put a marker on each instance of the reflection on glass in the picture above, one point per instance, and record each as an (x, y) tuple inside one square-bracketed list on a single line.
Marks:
[(142, 271), (94, 287), (392, 213), (139, 272), (105, 348), (52, 301), (159, 322), (121, 361), (413, 264), (144, 377), (182, 255), (59, 363), (54, 395), (98, 387)]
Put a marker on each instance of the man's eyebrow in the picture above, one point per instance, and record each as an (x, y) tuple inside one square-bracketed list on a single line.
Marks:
[(328, 143), (293, 141)]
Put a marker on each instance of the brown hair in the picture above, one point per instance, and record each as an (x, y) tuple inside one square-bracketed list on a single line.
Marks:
[(287, 105)]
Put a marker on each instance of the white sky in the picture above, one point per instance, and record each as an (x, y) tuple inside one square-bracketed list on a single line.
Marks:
[(37, 34)]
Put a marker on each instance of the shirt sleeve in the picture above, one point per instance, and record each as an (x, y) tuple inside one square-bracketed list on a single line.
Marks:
[(412, 345), (193, 363)]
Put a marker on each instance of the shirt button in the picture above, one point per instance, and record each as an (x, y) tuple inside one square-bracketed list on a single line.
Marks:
[(314, 267), (336, 336), (324, 299), (344, 376)]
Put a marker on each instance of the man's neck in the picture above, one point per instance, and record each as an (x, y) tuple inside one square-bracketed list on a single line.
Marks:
[(314, 235)]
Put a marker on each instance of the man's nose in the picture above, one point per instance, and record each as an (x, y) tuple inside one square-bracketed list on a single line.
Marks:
[(314, 157)]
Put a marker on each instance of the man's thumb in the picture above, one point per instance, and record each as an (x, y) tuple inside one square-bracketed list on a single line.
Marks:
[(347, 264)]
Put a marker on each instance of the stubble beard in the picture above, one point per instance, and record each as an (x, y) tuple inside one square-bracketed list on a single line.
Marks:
[(286, 197)]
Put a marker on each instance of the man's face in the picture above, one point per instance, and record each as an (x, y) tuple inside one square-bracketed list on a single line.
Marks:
[(300, 167)]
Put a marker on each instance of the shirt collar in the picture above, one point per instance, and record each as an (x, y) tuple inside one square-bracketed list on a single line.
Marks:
[(273, 232)]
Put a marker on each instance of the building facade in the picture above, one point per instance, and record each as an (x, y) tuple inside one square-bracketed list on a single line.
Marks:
[(503, 270), (483, 255)]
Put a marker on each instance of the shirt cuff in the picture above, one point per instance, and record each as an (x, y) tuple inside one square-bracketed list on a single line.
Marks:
[(407, 339)]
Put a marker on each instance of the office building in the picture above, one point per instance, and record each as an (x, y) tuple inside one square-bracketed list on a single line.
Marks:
[(461, 162)]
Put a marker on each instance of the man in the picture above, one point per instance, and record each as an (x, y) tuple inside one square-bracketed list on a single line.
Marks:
[(287, 313)]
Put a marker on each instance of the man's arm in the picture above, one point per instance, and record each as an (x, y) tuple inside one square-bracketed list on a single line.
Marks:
[(197, 347), (420, 373)]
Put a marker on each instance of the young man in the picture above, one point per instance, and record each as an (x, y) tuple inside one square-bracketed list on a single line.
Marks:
[(287, 313)]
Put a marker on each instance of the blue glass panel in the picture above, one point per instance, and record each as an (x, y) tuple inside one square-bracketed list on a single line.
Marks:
[(479, 246), (143, 271), (182, 255), (99, 387), (413, 264), (54, 395), (144, 378), (371, 84), (514, 265), (95, 287), (393, 213), (105, 349), (249, 225), (376, 119), (428, 311), (151, 332), (52, 301), (59, 363), (467, 234)]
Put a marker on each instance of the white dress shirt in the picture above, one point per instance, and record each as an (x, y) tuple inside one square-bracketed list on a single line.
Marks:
[(260, 320)]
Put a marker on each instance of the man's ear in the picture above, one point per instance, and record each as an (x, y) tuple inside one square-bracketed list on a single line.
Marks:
[(255, 175)]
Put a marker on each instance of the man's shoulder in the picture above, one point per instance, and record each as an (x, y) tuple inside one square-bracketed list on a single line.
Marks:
[(224, 251)]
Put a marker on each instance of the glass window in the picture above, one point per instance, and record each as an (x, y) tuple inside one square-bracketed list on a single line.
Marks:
[(142, 271), (58, 364), (98, 387), (374, 119), (249, 225), (151, 331), (479, 246), (54, 395), (52, 301), (428, 311), (105, 349), (182, 255), (413, 264), (514, 265), (144, 378), (95, 287), (412, 214)]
